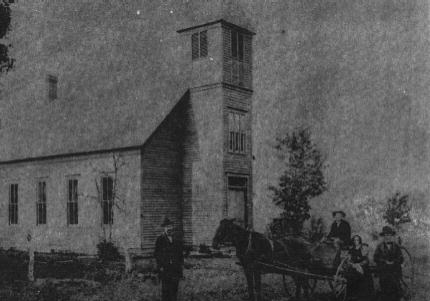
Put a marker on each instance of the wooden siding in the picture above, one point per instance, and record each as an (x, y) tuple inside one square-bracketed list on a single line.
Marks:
[(203, 165), (57, 234), (162, 178), (190, 154)]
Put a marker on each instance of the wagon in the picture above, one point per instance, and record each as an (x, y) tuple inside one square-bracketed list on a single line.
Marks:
[(335, 277)]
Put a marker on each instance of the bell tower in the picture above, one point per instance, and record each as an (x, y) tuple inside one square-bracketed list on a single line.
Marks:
[(217, 160)]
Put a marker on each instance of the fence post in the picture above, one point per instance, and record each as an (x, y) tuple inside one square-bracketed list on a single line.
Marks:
[(128, 264), (31, 258)]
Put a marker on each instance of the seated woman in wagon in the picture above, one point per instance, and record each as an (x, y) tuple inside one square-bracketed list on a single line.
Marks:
[(360, 283)]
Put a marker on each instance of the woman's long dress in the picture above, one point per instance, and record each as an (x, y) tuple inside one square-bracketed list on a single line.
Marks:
[(360, 283)]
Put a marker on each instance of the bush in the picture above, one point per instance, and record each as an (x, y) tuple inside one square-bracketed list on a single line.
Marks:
[(204, 249), (107, 251), (397, 210), (281, 227)]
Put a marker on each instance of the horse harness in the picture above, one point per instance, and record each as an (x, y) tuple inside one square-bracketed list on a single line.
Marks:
[(271, 243)]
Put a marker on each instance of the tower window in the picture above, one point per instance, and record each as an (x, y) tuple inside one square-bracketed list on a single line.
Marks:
[(199, 44), (52, 87), (237, 45), (237, 132), (237, 65)]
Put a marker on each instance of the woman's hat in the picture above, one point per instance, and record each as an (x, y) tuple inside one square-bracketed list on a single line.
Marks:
[(386, 230), (339, 211), (166, 222)]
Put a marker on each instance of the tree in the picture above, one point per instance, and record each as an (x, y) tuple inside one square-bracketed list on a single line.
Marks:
[(109, 198), (6, 63), (397, 210), (115, 198), (302, 179)]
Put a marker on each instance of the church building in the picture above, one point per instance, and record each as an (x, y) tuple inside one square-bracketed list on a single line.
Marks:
[(193, 166)]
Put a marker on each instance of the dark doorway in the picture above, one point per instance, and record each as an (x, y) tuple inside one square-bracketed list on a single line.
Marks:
[(237, 193)]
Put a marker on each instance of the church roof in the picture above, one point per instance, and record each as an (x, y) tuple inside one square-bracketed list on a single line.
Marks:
[(120, 69)]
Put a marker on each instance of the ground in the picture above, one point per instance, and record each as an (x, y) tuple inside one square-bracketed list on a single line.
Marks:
[(204, 280)]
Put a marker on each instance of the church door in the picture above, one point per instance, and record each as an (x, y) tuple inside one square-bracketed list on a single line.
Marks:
[(237, 199)]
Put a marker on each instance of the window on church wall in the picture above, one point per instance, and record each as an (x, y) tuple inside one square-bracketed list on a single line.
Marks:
[(199, 44), (41, 203), (13, 204), (52, 82), (237, 132), (72, 202), (107, 200)]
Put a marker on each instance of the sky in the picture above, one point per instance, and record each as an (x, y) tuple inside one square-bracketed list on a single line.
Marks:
[(355, 72)]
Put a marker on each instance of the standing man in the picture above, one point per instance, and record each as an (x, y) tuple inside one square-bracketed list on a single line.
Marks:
[(169, 256), (340, 230), (388, 258)]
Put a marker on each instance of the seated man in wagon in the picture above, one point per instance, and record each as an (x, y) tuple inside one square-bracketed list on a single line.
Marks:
[(340, 235), (340, 231)]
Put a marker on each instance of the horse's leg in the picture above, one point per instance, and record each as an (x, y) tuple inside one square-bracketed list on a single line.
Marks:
[(257, 280), (305, 285), (297, 284), (298, 287), (250, 281)]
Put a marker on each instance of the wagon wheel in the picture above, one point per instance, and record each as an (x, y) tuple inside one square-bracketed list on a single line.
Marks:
[(291, 288), (289, 285), (338, 284), (408, 273), (312, 285)]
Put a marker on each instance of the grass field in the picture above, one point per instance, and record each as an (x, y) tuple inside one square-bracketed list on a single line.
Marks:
[(204, 280)]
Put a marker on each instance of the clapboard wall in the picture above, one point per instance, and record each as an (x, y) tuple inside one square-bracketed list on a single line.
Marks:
[(57, 234), (161, 190)]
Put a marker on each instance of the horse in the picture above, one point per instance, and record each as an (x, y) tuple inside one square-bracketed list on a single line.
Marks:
[(252, 246)]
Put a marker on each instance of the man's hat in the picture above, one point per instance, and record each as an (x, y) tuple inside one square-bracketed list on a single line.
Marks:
[(386, 230), (166, 222), (339, 211)]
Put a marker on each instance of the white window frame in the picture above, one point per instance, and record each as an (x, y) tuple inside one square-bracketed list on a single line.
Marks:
[(13, 218), (41, 202), (237, 132), (72, 202), (105, 201)]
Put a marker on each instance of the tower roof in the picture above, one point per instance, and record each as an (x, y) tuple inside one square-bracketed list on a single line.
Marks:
[(221, 21)]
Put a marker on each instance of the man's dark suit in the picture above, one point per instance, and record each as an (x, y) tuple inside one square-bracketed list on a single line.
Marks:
[(170, 259), (341, 231), (389, 273)]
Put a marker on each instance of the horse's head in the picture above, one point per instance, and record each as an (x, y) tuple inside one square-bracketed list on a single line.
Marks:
[(224, 232)]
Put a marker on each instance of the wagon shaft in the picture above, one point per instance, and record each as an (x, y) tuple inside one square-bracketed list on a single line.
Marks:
[(279, 268)]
